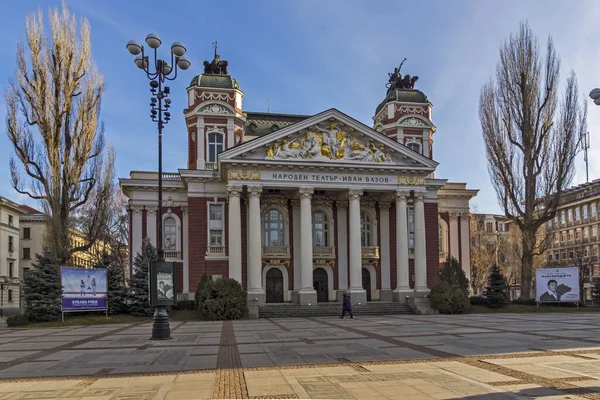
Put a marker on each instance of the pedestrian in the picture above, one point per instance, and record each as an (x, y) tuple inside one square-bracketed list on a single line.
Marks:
[(347, 307)]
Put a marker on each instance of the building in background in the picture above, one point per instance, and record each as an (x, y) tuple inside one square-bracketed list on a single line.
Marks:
[(574, 239), (10, 283), (305, 208)]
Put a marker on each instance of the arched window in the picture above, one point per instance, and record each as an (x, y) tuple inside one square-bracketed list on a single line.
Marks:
[(414, 146), (440, 238), (319, 223), (170, 234), (273, 228), (215, 146), (366, 239)]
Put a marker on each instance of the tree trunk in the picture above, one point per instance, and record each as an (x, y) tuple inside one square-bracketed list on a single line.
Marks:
[(527, 256)]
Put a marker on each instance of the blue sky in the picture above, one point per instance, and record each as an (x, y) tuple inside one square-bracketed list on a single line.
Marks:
[(306, 56)]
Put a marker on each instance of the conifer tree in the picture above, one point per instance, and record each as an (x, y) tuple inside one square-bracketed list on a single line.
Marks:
[(497, 291), (453, 274), (115, 282), (139, 301), (43, 289)]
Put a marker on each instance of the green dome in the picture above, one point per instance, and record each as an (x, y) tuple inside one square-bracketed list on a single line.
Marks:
[(215, 81), (405, 95)]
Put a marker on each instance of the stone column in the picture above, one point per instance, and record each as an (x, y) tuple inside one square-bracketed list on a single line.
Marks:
[(465, 248), (200, 138), (255, 289), (454, 235), (151, 226), (185, 244), (420, 241), (384, 251), (136, 231), (357, 292), (342, 248), (296, 248), (234, 232), (306, 293), (402, 276)]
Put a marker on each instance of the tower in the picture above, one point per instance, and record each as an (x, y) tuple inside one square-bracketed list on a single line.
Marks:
[(214, 116), (405, 114)]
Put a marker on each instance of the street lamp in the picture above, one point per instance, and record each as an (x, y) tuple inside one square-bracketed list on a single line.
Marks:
[(595, 95), (158, 71)]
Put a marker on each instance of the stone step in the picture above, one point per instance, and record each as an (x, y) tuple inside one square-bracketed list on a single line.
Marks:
[(330, 309)]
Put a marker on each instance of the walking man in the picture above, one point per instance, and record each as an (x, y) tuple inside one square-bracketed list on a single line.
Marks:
[(347, 307)]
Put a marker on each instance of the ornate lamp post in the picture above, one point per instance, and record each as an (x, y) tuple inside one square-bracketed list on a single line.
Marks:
[(158, 72)]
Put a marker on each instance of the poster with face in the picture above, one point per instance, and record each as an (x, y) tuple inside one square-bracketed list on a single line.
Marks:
[(557, 285), (164, 286)]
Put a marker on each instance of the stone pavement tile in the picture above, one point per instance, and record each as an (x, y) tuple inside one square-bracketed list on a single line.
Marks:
[(28, 346), (300, 372), (269, 390), (201, 362), (198, 377), (593, 384), (271, 373), (328, 371), (6, 356), (189, 394), (256, 360), (114, 383), (478, 374)]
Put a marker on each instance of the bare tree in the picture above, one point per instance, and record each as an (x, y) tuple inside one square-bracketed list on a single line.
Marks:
[(53, 104), (531, 140)]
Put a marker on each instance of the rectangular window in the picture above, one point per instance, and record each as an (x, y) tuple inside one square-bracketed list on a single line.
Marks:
[(584, 211), (593, 210), (26, 253), (594, 251), (594, 231), (570, 215), (489, 227), (411, 240), (556, 219), (411, 215), (216, 212), (11, 245), (549, 257), (585, 233), (577, 233), (216, 238), (215, 224), (556, 238), (571, 234), (562, 217), (570, 255), (501, 226), (563, 255), (26, 233), (577, 214), (11, 269), (556, 256), (10, 296), (10, 220), (563, 236)]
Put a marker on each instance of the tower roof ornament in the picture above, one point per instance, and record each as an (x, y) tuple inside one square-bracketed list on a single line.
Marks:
[(397, 82), (217, 66)]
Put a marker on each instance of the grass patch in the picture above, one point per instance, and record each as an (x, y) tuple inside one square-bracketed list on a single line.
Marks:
[(543, 308)]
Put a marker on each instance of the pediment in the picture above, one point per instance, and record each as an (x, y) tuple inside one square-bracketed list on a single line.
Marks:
[(330, 137)]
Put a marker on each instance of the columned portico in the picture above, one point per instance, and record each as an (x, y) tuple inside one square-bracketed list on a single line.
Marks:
[(235, 232), (342, 248), (384, 216), (403, 283), (356, 290), (306, 293), (256, 292), (420, 244)]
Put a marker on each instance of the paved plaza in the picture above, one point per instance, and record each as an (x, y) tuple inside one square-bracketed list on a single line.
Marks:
[(551, 356)]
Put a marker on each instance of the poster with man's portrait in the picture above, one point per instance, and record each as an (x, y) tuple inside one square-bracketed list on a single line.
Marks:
[(557, 285), (164, 286)]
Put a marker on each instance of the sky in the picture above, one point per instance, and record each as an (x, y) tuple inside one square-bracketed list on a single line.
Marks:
[(306, 56)]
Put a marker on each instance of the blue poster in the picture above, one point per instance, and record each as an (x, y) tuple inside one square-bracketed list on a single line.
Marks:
[(83, 289)]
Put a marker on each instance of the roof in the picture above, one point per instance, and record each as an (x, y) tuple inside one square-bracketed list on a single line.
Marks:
[(405, 95), (29, 210), (261, 123), (215, 81), (9, 204)]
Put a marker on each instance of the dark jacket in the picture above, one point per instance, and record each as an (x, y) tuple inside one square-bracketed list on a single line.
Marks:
[(347, 303)]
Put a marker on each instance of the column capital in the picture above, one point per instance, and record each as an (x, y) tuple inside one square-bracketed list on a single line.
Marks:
[(354, 194), (151, 211), (306, 192), (184, 210), (254, 190), (420, 195), (234, 190), (453, 215), (384, 205), (402, 194), (464, 215), (341, 204), (295, 203)]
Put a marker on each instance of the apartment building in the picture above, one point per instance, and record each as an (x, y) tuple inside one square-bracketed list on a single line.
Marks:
[(9, 257)]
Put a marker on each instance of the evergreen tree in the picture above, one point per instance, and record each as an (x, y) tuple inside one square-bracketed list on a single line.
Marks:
[(497, 291), (42, 289), (139, 300), (115, 278), (453, 274), (596, 289)]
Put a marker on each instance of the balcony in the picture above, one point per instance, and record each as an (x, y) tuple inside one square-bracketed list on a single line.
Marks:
[(215, 250), (210, 166), (443, 256), (276, 251), (324, 252), (172, 255), (370, 252)]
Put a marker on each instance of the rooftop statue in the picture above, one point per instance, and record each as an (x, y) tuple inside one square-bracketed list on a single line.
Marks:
[(217, 66), (397, 82)]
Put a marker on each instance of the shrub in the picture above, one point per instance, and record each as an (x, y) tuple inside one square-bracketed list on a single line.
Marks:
[(185, 305), (139, 302), (205, 279), (453, 274), (222, 300), (524, 302), (497, 291), (115, 283), (448, 299), (478, 301), (17, 320), (42, 289)]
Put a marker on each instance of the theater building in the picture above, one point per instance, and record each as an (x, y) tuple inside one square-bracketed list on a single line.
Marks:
[(305, 208)]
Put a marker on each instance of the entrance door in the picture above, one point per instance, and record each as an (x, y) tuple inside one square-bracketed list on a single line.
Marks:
[(366, 282), (321, 284), (274, 283)]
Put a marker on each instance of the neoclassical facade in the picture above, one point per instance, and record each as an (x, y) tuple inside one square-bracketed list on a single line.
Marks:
[(302, 208)]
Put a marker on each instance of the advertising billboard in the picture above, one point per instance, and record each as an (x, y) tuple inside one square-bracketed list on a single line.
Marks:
[(554, 285), (83, 289)]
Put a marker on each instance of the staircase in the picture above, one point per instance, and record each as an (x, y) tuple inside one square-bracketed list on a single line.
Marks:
[(285, 310)]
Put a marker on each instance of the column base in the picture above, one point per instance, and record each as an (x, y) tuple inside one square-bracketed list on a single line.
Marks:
[(386, 295), (421, 306), (306, 297), (294, 296), (339, 294), (257, 297), (357, 295), (401, 295), (422, 291)]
